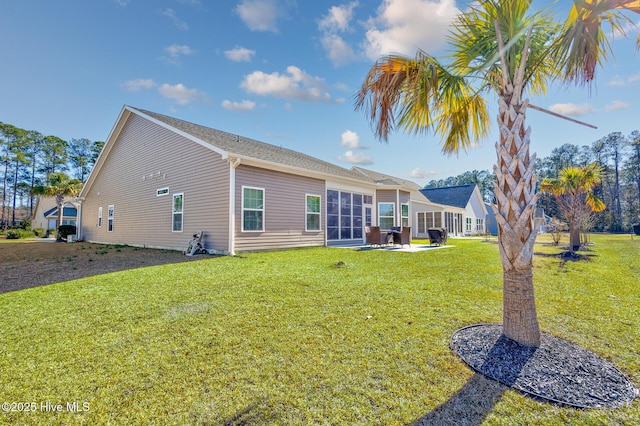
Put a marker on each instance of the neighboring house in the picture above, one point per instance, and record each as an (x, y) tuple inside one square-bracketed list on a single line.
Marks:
[(540, 218), (491, 223), (463, 212), (45, 213), (159, 180)]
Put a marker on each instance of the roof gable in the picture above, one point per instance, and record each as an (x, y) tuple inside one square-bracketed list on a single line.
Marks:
[(239, 146), (456, 196)]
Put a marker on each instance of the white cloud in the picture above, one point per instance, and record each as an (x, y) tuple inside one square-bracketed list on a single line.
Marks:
[(615, 105), (239, 54), (259, 15), (572, 109), (336, 21), (403, 26), (243, 106), (622, 81), (138, 84), (122, 2), (634, 78), (351, 140), (338, 51), (338, 18), (176, 50), (617, 81), (178, 93), (179, 23), (294, 85), (418, 173), (356, 158)]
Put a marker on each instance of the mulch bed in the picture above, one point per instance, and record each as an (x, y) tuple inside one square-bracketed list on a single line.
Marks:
[(557, 371)]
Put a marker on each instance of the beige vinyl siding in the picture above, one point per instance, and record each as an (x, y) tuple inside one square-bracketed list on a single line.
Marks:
[(144, 158), (284, 210)]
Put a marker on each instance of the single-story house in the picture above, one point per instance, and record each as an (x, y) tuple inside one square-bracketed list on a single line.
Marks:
[(45, 213), (463, 212), (540, 218), (159, 180)]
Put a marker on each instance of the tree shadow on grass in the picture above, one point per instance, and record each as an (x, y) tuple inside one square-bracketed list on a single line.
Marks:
[(33, 264), (469, 406)]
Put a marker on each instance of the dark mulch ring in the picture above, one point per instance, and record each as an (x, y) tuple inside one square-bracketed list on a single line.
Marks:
[(557, 371)]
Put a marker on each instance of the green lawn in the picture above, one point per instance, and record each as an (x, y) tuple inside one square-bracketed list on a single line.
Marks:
[(289, 338)]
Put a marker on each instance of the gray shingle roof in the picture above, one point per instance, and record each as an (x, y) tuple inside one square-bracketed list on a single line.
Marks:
[(237, 145), (385, 179), (456, 196)]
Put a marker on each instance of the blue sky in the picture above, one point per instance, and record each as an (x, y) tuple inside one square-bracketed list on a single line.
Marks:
[(279, 71)]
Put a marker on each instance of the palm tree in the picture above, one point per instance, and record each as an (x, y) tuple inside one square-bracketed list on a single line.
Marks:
[(60, 186), (498, 48), (573, 192)]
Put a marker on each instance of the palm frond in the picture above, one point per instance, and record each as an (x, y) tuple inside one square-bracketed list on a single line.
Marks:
[(420, 95), (584, 45)]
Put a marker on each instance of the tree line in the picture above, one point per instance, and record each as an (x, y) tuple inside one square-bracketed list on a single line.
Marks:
[(28, 158), (618, 156)]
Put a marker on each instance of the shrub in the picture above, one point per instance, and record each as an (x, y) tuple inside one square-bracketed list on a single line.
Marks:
[(66, 230), (25, 224), (636, 229), (38, 232), (14, 234), (51, 232)]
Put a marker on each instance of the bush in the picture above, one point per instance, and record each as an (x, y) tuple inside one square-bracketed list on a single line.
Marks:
[(14, 234), (636, 229), (38, 232), (25, 224), (51, 232), (66, 230)]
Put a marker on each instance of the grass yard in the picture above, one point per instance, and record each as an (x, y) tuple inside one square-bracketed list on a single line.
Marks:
[(295, 337)]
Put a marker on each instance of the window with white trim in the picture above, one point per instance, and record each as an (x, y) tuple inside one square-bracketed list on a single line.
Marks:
[(252, 209), (386, 215), (469, 223), (480, 225), (177, 212), (110, 216), (313, 204), (404, 212), (100, 216)]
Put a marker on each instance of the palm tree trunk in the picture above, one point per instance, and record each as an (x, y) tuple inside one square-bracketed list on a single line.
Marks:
[(574, 235), (520, 321), (516, 201)]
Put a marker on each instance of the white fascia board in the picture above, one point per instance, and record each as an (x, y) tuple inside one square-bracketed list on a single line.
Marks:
[(186, 135), (104, 152)]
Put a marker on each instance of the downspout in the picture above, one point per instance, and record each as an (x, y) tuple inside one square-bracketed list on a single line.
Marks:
[(234, 162), (79, 220), (398, 209)]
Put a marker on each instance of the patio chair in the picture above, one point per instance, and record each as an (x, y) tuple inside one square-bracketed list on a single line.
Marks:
[(437, 236), (403, 237), (195, 245), (374, 237)]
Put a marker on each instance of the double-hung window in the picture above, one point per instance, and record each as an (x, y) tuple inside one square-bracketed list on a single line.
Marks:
[(110, 215), (252, 209), (386, 215), (177, 212), (405, 214), (469, 223), (313, 212)]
